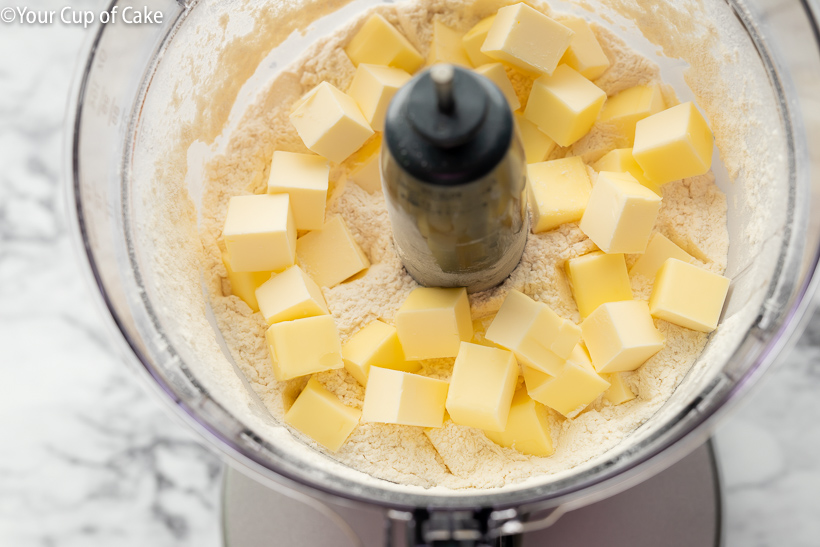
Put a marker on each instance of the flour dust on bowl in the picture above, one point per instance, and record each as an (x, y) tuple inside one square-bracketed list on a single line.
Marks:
[(172, 120)]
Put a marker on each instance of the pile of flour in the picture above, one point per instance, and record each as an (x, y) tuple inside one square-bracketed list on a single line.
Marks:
[(453, 456)]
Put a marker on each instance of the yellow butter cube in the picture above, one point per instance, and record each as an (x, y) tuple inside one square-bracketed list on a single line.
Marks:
[(290, 295), (558, 192), (396, 397), (618, 392), (474, 39), (621, 336), (537, 145), (689, 296), (537, 336), (564, 105), (321, 416), (496, 73), (447, 46), (304, 346), (330, 255), (304, 178), (584, 53), (260, 233), (597, 278), (433, 322), (527, 39), (482, 387), (572, 389), (377, 344), (632, 105), (330, 123), (674, 144), (244, 284), (528, 427), (620, 213), (380, 43), (657, 252), (364, 166), (620, 160), (368, 175), (373, 88)]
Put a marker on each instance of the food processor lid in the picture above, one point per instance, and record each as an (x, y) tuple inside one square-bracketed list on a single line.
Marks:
[(448, 126)]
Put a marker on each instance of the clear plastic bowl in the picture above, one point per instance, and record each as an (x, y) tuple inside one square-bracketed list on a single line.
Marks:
[(135, 93)]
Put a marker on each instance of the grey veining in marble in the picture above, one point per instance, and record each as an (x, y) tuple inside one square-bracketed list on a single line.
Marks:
[(89, 459)]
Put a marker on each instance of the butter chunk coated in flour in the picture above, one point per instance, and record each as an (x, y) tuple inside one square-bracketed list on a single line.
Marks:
[(304, 346), (433, 322), (396, 397), (321, 416), (482, 387), (377, 344), (527, 39), (537, 336), (330, 255), (260, 233)]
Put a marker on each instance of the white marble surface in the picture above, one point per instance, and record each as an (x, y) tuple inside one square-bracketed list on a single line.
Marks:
[(88, 459)]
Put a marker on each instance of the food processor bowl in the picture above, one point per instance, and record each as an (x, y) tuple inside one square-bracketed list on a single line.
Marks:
[(152, 101)]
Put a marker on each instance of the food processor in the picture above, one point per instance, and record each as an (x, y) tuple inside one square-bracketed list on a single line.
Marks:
[(152, 101)]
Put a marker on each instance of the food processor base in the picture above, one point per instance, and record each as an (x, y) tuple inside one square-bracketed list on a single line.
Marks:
[(677, 507)]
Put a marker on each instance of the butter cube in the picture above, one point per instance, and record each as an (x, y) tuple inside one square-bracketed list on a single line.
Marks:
[(330, 255), (482, 387), (364, 167), (330, 123), (657, 252), (528, 427), (584, 53), (474, 39), (304, 178), (537, 336), (689, 296), (373, 88), (620, 213), (396, 397), (433, 322), (537, 145), (572, 389), (304, 346), (564, 105), (447, 46), (260, 233), (290, 295), (618, 392), (321, 416), (527, 39), (632, 105), (558, 192), (673, 144), (380, 43), (496, 74), (244, 284), (620, 160), (621, 336), (377, 344), (597, 278)]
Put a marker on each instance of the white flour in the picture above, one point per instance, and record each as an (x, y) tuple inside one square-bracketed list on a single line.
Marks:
[(453, 456)]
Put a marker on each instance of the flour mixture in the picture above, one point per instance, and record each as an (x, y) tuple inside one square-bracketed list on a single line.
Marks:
[(693, 210)]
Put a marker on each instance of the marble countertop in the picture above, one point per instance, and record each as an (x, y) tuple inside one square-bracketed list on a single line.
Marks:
[(88, 458)]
